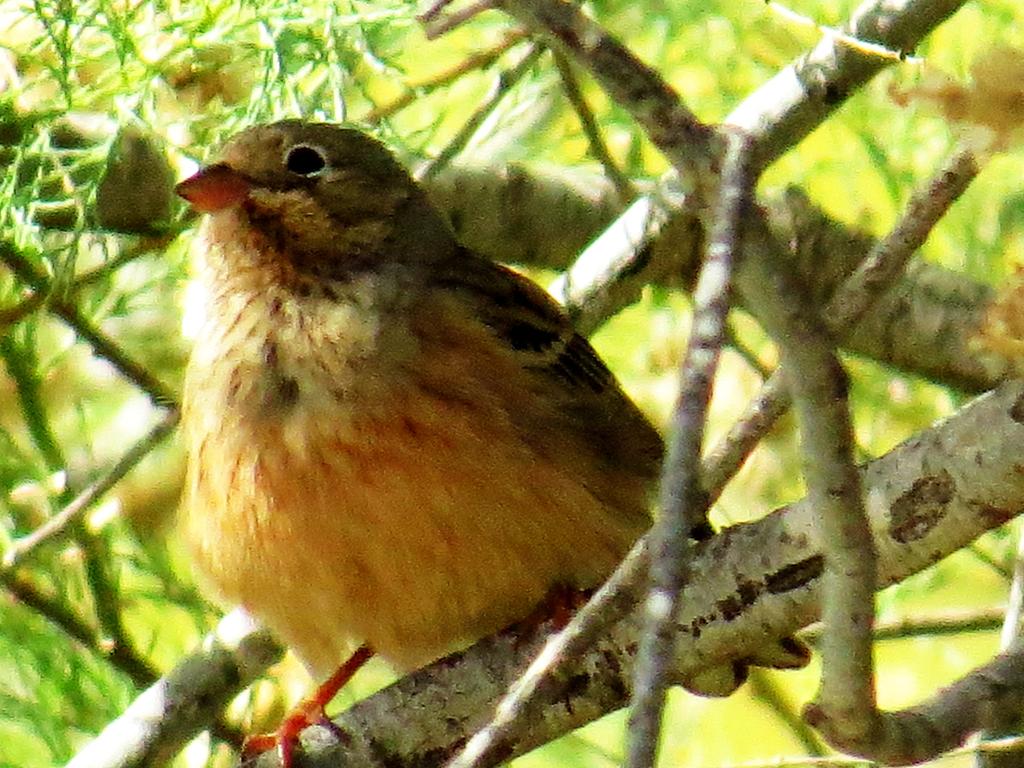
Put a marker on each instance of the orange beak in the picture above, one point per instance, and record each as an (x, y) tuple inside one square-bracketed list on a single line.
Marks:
[(214, 188)]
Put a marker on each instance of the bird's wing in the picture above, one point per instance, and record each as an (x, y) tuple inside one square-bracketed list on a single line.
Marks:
[(581, 413)]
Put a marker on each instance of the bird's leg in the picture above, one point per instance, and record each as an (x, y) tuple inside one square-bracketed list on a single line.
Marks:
[(309, 712)]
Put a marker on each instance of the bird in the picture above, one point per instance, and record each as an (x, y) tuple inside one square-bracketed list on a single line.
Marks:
[(395, 445)]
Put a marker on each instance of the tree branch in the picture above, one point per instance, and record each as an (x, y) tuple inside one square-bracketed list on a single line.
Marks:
[(859, 292), (186, 700), (101, 345), (71, 513), (682, 500), (748, 584)]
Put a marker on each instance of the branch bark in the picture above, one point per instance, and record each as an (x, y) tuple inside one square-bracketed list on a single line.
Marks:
[(926, 499)]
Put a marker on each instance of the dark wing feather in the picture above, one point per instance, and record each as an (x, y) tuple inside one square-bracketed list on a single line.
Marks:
[(587, 413)]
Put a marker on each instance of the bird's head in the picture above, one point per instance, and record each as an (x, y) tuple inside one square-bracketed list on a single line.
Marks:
[(328, 197)]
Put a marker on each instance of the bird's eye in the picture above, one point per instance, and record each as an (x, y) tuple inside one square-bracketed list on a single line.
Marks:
[(305, 160)]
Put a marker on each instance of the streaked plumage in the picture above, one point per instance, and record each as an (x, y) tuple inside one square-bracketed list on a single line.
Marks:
[(392, 440)]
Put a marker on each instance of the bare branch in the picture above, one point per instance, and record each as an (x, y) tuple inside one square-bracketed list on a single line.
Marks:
[(752, 581), (100, 343), (690, 144), (858, 293), (185, 701), (682, 502), (800, 97), (598, 148), (60, 523), (503, 83)]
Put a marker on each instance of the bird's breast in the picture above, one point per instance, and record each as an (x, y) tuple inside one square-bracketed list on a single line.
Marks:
[(352, 480)]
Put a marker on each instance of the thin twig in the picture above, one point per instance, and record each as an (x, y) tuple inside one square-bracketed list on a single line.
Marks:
[(502, 85), (691, 145), (413, 91), (683, 504), (990, 561), (60, 523), (766, 691), (434, 25), (614, 600), (106, 600), (880, 268), (886, 261), (726, 457), (598, 147), (433, 11), (1015, 605), (75, 627), (101, 344), (865, 46), (26, 382), (16, 313), (952, 623), (819, 387), (747, 354)]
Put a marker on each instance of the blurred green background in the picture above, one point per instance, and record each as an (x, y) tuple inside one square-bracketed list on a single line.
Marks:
[(93, 88)]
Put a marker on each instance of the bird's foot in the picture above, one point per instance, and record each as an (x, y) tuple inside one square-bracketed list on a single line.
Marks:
[(309, 712), (286, 737)]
